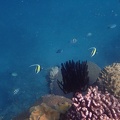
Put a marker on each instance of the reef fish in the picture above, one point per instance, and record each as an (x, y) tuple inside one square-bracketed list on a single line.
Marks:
[(73, 41), (14, 74), (112, 26), (59, 51), (93, 52), (16, 91), (37, 68)]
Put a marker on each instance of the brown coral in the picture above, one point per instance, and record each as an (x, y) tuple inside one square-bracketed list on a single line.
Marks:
[(43, 112), (50, 108), (109, 79)]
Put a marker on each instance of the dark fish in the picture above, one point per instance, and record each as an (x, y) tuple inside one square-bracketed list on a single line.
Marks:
[(59, 51)]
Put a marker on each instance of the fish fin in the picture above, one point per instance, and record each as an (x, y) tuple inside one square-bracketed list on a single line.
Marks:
[(33, 65)]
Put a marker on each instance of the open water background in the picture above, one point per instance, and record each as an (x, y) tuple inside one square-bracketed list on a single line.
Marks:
[(31, 31)]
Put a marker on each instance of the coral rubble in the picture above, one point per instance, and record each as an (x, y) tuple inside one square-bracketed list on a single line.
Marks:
[(74, 76), (109, 79), (94, 106)]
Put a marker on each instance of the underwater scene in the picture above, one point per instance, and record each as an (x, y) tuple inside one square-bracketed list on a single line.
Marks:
[(60, 59)]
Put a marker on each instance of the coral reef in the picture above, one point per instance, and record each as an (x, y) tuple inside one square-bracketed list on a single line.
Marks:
[(74, 76), (62, 107), (93, 73), (53, 72), (109, 79), (48, 107), (43, 112), (52, 100), (94, 106), (52, 75)]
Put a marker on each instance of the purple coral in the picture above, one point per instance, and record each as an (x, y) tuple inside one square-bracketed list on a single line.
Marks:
[(94, 106)]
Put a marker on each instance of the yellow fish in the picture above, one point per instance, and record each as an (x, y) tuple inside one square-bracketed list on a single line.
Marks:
[(94, 50), (37, 68)]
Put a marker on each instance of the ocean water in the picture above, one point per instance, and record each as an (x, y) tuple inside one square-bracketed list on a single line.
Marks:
[(31, 32)]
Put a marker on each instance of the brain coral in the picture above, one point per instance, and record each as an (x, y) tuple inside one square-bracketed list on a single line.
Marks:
[(50, 109), (94, 106), (109, 79), (43, 112)]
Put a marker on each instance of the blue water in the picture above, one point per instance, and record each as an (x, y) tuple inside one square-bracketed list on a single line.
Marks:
[(31, 31)]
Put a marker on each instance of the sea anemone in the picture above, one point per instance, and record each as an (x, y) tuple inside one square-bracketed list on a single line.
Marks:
[(74, 76), (109, 79), (94, 106)]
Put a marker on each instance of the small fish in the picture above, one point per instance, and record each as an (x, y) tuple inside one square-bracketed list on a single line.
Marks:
[(59, 51), (14, 74), (112, 26), (37, 68), (93, 52), (89, 34), (16, 91), (73, 41)]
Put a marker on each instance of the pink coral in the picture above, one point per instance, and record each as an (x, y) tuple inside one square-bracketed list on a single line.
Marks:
[(94, 106)]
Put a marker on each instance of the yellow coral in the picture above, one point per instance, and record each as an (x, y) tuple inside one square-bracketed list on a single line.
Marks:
[(43, 112), (35, 113), (62, 107), (110, 78)]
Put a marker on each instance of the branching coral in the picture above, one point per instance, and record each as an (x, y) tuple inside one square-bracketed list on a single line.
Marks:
[(109, 79), (74, 76), (94, 106)]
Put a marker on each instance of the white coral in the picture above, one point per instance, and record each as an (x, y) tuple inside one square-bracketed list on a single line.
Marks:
[(53, 72)]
